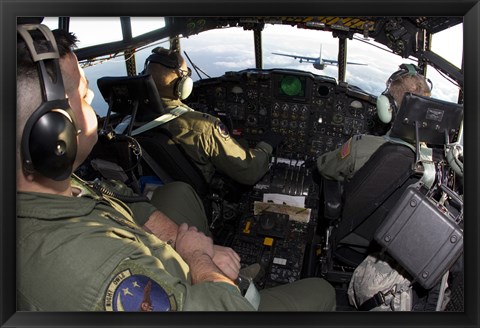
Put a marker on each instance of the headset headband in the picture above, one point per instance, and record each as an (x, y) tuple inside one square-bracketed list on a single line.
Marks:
[(412, 69), (406, 69), (52, 88), (169, 60)]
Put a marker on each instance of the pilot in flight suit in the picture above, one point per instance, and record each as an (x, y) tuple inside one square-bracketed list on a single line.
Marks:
[(133, 269), (207, 141), (204, 137), (341, 164), (98, 234)]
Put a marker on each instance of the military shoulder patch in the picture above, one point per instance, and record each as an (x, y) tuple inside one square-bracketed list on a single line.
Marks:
[(222, 129), (135, 292), (345, 149)]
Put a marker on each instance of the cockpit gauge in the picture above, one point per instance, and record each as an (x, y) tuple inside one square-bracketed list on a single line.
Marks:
[(251, 107), (252, 93), (329, 143), (237, 94), (237, 112), (294, 112), (285, 110), (252, 120), (276, 110), (219, 93), (323, 90), (356, 108), (319, 102), (263, 111), (337, 118)]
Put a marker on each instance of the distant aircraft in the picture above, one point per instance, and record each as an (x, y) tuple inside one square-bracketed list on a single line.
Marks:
[(317, 62)]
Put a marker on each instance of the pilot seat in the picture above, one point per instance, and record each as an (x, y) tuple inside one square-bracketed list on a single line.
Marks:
[(135, 100)]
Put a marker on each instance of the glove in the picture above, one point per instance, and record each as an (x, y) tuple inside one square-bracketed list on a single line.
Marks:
[(273, 139)]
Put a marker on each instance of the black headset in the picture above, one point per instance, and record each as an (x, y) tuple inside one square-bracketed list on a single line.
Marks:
[(49, 139), (184, 84), (387, 106)]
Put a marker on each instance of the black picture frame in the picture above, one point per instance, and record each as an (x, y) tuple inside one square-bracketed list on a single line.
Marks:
[(9, 10)]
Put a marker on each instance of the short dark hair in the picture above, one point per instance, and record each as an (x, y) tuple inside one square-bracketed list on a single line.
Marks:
[(66, 42)]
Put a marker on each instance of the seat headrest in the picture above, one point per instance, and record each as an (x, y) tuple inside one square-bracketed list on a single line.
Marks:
[(435, 118), (121, 91)]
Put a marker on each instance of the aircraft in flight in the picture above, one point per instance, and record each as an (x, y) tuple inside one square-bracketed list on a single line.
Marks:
[(317, 62)]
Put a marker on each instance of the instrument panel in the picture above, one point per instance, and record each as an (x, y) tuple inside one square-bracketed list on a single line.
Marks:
[(314, 113)]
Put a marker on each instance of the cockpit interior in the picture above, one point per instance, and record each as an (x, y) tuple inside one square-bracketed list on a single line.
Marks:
[(293, 222)]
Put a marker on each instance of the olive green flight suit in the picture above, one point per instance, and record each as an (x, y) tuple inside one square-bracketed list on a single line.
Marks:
[(342, 163), (87, 253), (207, 141)]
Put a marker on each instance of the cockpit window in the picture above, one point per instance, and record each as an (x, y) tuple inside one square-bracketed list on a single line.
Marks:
[(91, 30), (220, 51), (141, 25), (449, 45), (215, 52), (453, 49)]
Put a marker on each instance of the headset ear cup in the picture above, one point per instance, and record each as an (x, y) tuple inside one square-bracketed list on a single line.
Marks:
[(183, 87), (384, 109), (53, 145)]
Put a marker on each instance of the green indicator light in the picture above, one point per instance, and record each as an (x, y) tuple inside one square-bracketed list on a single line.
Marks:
[(291, 85)]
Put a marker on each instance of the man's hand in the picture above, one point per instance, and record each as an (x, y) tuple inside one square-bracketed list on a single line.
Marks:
[(189, 242), (197, 250), (227, 260)]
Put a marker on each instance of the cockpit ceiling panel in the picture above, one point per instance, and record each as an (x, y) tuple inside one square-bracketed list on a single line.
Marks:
[(194, 25), (333, 22), (437, 24)]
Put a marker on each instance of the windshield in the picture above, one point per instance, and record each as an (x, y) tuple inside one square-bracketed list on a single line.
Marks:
[(232, 49)]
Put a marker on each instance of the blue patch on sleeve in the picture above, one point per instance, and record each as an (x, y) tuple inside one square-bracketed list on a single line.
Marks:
[(222, 129), (137, 293)]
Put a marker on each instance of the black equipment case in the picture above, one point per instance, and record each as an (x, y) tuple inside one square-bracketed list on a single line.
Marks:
[(422, 236)]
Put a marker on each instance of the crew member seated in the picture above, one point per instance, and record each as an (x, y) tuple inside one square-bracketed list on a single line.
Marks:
[(366, 170), (204, 137), (342, 164)]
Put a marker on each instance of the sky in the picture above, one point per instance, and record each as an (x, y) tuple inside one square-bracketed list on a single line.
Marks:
[(232, 49)]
